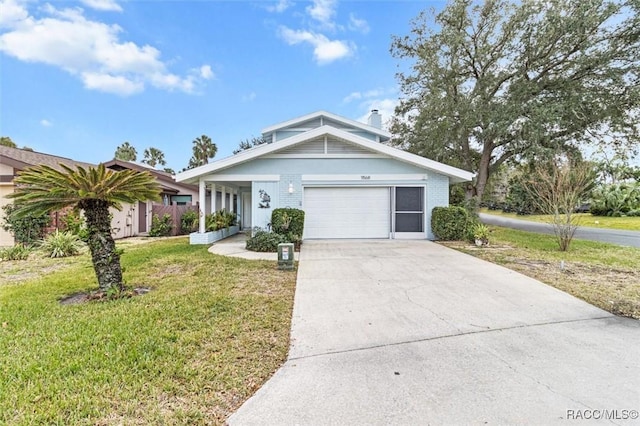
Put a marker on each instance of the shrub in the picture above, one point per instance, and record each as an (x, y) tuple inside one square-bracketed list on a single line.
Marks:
[(74, 222), (480, 233), (189, 221), (616, 200), (288, 222), (219, 220), (161, 227), (26, 230), (17, 252), (61, 244), (265, 241), (450, 223)]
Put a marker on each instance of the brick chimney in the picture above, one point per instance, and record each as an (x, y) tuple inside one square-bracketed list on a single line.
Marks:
[(375, 119)]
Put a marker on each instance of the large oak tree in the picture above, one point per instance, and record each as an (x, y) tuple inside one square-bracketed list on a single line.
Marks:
[(496, 81)]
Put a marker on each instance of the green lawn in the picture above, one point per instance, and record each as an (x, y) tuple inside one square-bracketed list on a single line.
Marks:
[(585, 219), (207, 335), (604, 275)]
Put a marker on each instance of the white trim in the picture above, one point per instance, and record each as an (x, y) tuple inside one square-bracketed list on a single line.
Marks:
[(243, 178), (202, 198), (334, 117), (363, 178), (325, 156), (456, 175)]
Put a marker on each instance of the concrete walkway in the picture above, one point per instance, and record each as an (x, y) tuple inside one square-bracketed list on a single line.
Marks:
[(614, 236), (393, 332), (235, 246)]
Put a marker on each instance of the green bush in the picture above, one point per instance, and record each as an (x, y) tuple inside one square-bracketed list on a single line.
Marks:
[(518, 199), (265, 241), (450, 223), (219, 220), (621, 199), (189, 221), (161, 227), (288, 222), (26, 230), (17, 252), (61, 244), (74, 222)]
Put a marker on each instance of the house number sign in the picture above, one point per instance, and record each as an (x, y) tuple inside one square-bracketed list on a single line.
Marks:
[(365, 177)]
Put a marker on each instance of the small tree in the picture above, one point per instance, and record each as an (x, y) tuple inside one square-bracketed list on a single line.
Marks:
[(557, 188), (43, 189)]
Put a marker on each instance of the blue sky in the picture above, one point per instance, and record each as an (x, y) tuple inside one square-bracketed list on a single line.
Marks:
[(79, 78)]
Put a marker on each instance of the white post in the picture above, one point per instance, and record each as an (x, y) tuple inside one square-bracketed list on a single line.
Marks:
[(231, 208), (224, 198), (202, 192), (213, 198)]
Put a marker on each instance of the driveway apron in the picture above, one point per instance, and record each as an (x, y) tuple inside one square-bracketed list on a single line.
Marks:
[(411, 332)]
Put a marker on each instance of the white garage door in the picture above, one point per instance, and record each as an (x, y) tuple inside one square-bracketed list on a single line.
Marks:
[(346, 212)]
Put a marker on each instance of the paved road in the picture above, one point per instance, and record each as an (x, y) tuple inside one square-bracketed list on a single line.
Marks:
[(614, 236), (411, 332)]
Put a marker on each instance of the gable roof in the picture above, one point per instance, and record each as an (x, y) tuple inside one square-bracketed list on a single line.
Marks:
[(160, 175), (384, 135), (456, 175), (20, 159)]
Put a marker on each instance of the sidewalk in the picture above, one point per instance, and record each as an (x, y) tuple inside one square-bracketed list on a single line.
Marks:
[(235, 247)]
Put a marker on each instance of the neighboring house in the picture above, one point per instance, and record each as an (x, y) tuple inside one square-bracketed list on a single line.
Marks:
[(339, 171), (12, 160), (135, 219)]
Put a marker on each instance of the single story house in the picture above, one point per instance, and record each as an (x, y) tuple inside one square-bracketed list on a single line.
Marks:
[(342, 173), (130, 221)]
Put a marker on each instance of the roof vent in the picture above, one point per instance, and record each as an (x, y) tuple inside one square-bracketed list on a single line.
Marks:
[(375, 119)]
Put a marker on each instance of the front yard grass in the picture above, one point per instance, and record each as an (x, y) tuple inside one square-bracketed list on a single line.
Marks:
[(208, 334), (584, 219), (604, 275)]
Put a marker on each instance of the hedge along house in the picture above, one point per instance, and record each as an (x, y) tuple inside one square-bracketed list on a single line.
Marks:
[(339, 171)]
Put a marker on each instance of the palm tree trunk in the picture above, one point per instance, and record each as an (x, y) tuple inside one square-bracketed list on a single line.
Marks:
[(105, 258)]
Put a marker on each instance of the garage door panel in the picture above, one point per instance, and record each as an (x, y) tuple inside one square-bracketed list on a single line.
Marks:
[(346, 212)]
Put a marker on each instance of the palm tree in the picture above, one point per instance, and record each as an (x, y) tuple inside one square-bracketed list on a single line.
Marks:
[(44, 189), (153, 157), (203, 150), (126, 152)]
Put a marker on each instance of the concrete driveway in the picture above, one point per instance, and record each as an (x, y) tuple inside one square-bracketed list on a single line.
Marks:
[(393, 332)]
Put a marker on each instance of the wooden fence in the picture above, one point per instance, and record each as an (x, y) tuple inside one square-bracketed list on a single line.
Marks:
[(175, 211)]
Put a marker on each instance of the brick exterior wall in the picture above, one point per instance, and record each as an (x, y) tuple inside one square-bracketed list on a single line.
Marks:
[(292, 200), (437, 196)]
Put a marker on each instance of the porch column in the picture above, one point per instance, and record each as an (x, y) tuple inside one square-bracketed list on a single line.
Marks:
[(231, 208), (202, 199), (224, 198), (213, 198)]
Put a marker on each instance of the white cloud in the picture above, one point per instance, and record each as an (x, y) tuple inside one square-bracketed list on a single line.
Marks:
[(12, 12), (324, 50), (46, 123), (352, 97), (107, 83), (91, 50), (280, 6), (206, 73), (356, 24), (104, 5), (323, 11)]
